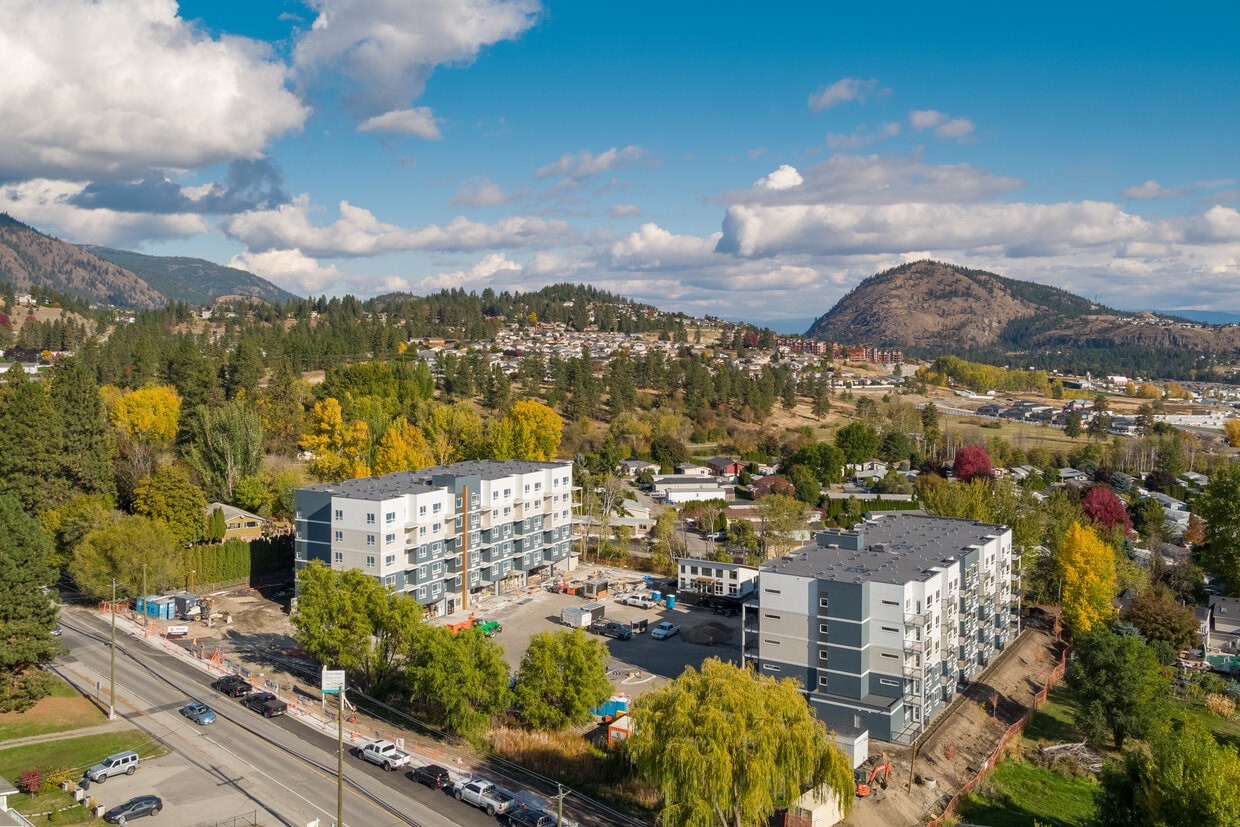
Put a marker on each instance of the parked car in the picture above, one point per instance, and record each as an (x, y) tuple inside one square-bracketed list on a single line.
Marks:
[(485, 795), (266, 703), (665, 630), (719, 606), (115, 764), (200, 714), (384, 754), (143, 805), (638, 601), (432, 775), (526, 817), (234, 686), (612, 628)]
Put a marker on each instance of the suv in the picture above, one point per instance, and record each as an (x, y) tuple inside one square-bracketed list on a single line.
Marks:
[(234, 686), (611, 628), (121, 762), (531, 818), (432, 775), (266, 703)]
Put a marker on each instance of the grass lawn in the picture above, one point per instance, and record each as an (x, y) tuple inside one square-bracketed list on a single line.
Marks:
[(1021, 793), (1226, 730), (68, 811), (1053, 722), (63, 710), (74, 754)]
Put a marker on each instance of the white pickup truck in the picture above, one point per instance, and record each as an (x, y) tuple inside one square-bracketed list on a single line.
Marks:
[(485, 795), (385, 754), (638, 601)]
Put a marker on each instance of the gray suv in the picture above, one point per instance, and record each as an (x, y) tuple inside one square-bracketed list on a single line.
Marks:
[(121, 762)]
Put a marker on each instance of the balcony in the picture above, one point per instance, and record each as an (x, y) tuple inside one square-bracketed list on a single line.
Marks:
[(914, 645), (916, 619), (912, 669)]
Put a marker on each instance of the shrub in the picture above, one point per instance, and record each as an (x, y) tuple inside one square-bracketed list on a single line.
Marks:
[(1220, 705), (30, 781)]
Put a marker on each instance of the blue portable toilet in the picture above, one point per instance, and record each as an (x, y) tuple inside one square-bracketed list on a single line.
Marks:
[(671, 601), (656, 596)]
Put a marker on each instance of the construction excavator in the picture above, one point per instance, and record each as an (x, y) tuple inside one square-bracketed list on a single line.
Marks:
[(880, 772)]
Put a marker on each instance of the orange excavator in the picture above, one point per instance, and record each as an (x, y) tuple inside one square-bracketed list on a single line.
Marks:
[(880, 773)]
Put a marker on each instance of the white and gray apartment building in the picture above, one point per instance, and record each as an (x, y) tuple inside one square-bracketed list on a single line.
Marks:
[(881, 622), (441, 534)]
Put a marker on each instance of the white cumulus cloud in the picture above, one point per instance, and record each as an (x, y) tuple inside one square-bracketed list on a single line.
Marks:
[(494, 270), (784, 178), (386, 49), (419, 122), (118, 87), (842, 91)]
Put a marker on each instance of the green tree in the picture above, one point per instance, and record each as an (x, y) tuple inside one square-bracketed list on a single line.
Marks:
[(223, 445), (89, 442), (1187, 779), (126, 550), (282, 406), (1219, 507), (858, 442), (823, 458), (27, 612), (169, 496), (31, 455), (1072, 424), (217, 525), (75, 519), (562, 676), (728, 747), (781, 516), (460, 680), (741, 533), (806, 484), (1119, 687), (349, 620), (244, 370)]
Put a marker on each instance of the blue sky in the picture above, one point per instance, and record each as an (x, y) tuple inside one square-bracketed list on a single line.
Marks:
[(743, 160)]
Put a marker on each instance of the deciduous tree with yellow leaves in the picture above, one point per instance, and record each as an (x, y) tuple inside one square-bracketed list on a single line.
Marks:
[(339, 449), (1086, 568), (150, 415), (530, 430), (402, 448)]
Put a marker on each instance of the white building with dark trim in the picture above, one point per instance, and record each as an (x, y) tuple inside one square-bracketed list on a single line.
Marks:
[(445, 533), (880, 623)]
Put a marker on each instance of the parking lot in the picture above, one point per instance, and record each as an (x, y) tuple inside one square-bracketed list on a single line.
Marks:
[(641, 663)]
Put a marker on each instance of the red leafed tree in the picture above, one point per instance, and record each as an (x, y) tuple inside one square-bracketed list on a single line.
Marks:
[(972, 462), (1106, 509)]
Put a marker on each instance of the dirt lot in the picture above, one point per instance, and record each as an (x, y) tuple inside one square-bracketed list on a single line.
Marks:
[(964, 735)]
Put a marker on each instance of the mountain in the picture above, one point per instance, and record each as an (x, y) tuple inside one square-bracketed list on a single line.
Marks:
[(932, 306), (28, 258), (195, 281)]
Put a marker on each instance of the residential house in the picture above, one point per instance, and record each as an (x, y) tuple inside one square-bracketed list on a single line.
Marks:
[(677, 489), (239, 524), (725, 466), (8, 817), (692, 469), (880, 623), (633, 467)]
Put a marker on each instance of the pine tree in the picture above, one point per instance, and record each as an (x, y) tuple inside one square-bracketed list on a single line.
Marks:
[(27, 612), (31, 456)]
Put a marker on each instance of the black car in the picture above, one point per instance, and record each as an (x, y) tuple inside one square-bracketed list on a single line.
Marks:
[(526, 817), (726, 608), (266, 703), (143, 805), (234, 686), (432, 775)]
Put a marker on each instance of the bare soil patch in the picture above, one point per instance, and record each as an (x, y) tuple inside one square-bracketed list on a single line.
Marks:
[(710, 633)]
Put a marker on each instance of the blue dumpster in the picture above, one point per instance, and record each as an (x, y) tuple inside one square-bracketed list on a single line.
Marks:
[(671, 601)]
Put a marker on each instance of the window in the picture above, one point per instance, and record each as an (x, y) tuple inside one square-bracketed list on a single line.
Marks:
[(370, 561), (823, 628), (527, 488), (507, 493), (339, 514), (772, 591), (538, 486), (770, 616), (389, 517), (770, 641), (890, 603), (339, 536), (340, 557), (889, 655), (459, 501), (370, 539), (435, 507), (370, 519), (822, 603), (421, 531), (822, 681), (390, 560), (437, 527), (770, 667), (822, 654), (390, 580), (888, 682), (421, 511), (889, 628), (389, 539)]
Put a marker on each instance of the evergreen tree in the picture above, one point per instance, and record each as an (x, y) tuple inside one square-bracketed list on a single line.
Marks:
[(27, 612), (89, 440), (224, 445), (31, 454)]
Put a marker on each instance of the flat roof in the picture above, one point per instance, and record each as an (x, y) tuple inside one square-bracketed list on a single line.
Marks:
[(896, 547), (421, 481)]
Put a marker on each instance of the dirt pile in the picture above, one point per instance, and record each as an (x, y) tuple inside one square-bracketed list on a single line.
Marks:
[(710, 633)]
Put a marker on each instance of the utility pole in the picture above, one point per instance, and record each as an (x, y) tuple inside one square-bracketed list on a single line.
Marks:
[(144, 595), (112, 649), (559, 804), (340, 757)]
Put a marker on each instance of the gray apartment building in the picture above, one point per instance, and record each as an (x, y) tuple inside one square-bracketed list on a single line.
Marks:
[(880, 622), (444, 533)]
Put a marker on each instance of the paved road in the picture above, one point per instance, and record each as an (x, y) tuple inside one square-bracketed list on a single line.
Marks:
[(242, 764)]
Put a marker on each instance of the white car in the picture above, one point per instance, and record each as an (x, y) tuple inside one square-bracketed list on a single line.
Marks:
[(664, 630)]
